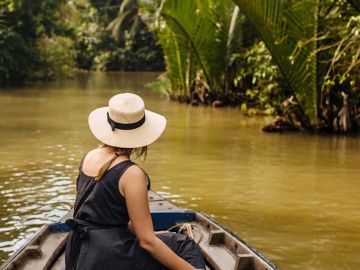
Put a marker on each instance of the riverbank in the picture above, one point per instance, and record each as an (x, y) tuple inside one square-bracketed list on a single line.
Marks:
[(288, 116)]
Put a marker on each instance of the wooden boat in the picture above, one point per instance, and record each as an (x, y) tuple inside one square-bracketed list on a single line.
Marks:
[(222, 249)]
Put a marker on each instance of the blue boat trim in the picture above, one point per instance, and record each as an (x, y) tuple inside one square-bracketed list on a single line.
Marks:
[(59, 227), (162, 220)]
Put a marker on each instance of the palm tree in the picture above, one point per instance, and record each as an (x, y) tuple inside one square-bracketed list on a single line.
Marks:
[(205, 35), (127, 20), (288, 29), (199, 35)]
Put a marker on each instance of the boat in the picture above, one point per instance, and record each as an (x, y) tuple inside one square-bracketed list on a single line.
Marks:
[(222, 249)]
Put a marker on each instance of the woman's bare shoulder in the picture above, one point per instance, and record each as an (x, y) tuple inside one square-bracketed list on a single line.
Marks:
[(93, 152), (133, 178), (96, 155), (93, 161), (134, 172)]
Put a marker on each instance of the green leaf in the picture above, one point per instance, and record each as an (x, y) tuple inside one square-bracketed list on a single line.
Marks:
[(202, 28), (287, 28)]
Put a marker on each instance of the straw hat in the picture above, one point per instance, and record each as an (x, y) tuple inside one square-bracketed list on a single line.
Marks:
[(125, 123)]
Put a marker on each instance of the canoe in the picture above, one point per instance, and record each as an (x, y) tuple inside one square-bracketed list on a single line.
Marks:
[(222, 249)]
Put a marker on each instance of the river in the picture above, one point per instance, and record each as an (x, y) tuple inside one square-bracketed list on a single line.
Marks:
[(294, 197)]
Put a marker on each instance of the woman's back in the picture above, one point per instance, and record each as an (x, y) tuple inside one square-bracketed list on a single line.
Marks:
[(104, 205), (101, 210)]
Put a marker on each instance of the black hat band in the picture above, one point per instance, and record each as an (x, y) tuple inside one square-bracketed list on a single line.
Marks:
[(122, 126)]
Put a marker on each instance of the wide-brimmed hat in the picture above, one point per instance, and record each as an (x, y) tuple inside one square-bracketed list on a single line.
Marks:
[(125, 123)]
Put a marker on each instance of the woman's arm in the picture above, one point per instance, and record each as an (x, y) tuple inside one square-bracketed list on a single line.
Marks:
[(133, 187)]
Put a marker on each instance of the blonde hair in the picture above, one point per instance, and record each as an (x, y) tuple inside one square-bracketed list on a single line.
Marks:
[(140, 153)]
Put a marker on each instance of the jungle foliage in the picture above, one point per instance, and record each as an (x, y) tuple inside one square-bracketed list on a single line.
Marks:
[(298, 60), (309, 68), (28, 29), (44, 39), (112, 36)]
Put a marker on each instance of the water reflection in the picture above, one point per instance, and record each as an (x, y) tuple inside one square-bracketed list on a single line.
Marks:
[(33, 193), (294, 197)]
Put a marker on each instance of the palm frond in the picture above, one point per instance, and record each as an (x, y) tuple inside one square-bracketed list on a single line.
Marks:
[(176, 59), (193, 26), (286, 28), (203, 28), (126, 20), (235, 31)]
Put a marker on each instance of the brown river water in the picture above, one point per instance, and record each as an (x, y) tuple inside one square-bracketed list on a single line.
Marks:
[(294, 197)]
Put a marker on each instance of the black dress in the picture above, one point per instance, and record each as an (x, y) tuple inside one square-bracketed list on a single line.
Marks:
[(100, 239)]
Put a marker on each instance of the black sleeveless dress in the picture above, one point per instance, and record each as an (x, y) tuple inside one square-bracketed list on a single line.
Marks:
[(100, 239)]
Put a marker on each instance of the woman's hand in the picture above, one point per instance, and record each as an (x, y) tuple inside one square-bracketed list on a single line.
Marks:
[(133, 187)]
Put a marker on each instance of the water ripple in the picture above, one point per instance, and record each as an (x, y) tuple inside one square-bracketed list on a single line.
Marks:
[(32, 198)]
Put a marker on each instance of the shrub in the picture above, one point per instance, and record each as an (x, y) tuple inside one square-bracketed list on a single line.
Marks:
[(56, 57)]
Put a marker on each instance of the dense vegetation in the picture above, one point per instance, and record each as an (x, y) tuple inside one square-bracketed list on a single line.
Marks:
[(302, 64), (113, 36), (42, 39), (298, 60)]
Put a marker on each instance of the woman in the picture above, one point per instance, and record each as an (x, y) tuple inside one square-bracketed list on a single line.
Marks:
[(112, 193)]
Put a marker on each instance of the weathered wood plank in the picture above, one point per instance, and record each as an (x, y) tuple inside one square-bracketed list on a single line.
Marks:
[(153, 196), (33, 252), (40, 253), (218, 257), (231, 244), (244, 262), (161, 206), (60, 263), (52, 248), (216, 237)]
